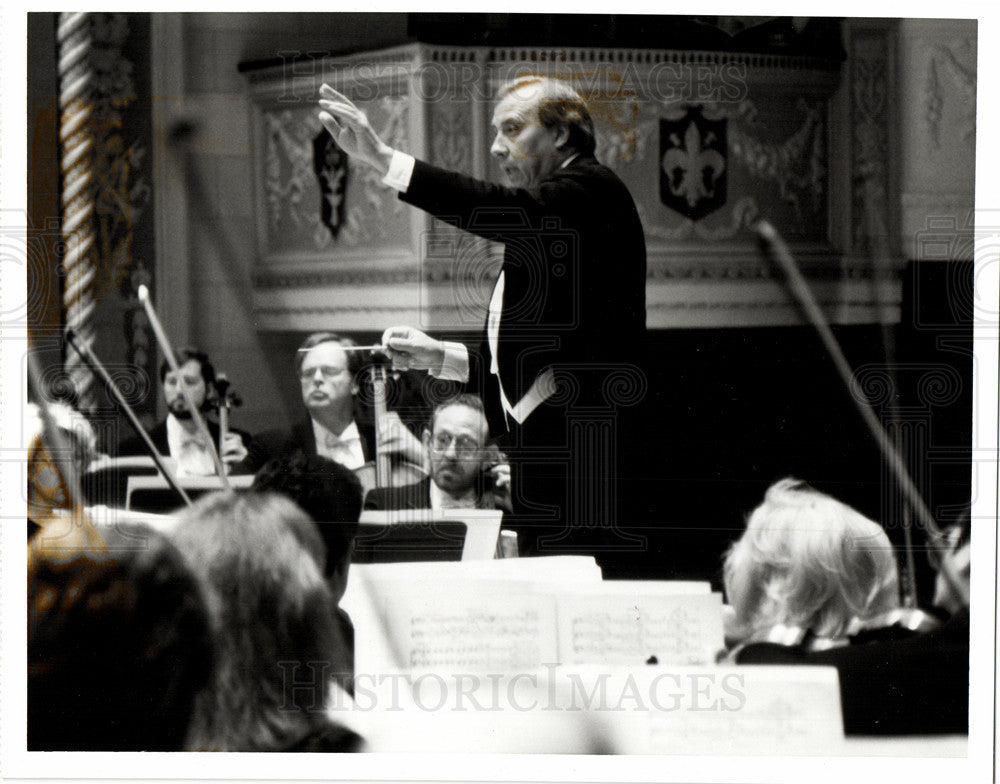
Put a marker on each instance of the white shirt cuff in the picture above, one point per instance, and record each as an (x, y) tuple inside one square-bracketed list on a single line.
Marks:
[(400, 171), (456, 363)]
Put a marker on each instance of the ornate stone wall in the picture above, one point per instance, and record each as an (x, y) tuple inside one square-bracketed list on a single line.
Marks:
[(708, 143)]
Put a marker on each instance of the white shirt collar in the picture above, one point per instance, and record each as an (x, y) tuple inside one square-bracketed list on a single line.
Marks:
[(344, 447), (192, 454), (569, 160)]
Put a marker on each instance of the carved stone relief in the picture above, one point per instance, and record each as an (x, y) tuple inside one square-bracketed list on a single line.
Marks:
[(291, 190)]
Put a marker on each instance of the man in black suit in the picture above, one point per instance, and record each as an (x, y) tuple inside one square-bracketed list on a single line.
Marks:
[(466, 472), (178, 436), (556, 363), (336, 428)]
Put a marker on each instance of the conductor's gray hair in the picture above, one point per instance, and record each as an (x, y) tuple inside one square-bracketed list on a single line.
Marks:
[(559, 105), (808, 560)]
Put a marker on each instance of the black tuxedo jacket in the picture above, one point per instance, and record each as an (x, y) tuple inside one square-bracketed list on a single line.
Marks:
[(575, 275), (916, 685), (418, 496), (301, 438)]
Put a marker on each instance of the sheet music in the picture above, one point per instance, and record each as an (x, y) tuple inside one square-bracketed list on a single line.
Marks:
[(680, 629), (484, 626)]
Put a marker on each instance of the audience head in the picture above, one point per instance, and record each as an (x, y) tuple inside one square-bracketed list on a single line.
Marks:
[(196, 374), (118, 646), (276, 638), (330, 494), (455, 443), (328, 374), (539, 121), (810, 561)]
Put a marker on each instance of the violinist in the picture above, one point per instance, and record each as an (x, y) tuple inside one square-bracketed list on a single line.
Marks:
[(178, 434), (890, 684), (329, 372), (466, 472)]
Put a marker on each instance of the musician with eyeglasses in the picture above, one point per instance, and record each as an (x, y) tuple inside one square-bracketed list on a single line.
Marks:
[(466, 472), (330, 370)]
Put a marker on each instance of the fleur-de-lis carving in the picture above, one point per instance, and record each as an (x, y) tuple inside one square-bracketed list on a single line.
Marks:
[(693, 169)]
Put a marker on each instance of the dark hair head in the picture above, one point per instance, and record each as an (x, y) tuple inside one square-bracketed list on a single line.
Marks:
[(274, 619), (184, 356), (559, 106), (118, 647), (327, 491), (354, 358)]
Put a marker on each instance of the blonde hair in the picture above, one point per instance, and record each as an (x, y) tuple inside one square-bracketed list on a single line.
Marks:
[(808, 560)]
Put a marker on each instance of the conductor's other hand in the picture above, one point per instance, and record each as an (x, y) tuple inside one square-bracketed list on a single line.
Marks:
[(412, 349), (349, 127)]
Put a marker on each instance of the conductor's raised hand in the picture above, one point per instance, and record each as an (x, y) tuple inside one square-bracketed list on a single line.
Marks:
[(412, 349), (349, 127)]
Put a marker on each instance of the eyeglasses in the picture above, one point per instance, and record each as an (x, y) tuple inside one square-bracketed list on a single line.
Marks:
[(463, 443), (329, 372)]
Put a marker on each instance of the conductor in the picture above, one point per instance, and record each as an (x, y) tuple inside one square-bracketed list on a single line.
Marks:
[(567, 309)]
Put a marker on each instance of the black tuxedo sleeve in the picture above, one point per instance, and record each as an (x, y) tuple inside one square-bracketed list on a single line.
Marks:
[(493, 211)]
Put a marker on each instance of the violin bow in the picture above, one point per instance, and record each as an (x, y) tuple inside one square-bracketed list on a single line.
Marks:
[(799, 287), (91, 361), (171, 358)]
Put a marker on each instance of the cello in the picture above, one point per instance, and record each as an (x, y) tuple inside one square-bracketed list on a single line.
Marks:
[(386, 470)]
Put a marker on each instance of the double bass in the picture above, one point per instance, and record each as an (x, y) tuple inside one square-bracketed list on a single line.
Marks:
[(386, 470)]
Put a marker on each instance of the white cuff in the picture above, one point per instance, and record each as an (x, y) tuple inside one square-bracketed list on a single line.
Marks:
[(400, 171), (456, 363)]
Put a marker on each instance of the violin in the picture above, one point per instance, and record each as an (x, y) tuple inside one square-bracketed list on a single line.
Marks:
[(384, 470)]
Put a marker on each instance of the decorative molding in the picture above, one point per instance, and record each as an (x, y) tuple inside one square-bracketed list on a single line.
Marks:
[(870, 96), (707, 272), (796, 165), (961, 87), (530, 55), (451, 136), (291, 191)]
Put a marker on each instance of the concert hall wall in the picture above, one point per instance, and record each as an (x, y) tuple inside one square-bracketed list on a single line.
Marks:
[(740, 389)]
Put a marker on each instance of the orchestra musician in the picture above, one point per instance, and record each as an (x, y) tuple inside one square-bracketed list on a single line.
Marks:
[(465, 471), (896, 681), (806, 567), (335, 427), (178, 435), (567, 310)]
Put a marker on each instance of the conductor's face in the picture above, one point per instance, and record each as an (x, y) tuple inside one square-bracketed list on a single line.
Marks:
[(525, 149), (326, 380), (190, 377)]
